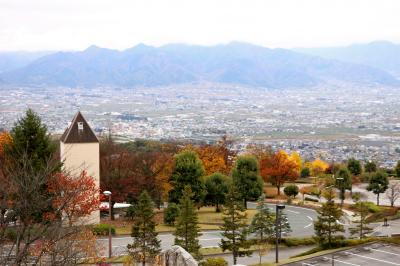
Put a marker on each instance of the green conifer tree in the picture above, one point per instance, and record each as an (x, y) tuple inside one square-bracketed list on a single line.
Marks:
[(188, 170), (187, 229), (326, 227), (246, 177), (146, 245), (361, 212), (31, 142), (234, 228), (263, 225)]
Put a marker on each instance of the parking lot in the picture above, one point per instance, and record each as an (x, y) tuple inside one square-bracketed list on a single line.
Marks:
[(366, 255)]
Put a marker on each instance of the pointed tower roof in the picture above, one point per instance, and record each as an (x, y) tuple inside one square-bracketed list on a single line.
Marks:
[(79, 131)]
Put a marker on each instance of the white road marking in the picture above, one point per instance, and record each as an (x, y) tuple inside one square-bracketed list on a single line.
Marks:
[(387, 252), (342, 261), (366, 257), (310, 218), (308, 225), (293, 211)]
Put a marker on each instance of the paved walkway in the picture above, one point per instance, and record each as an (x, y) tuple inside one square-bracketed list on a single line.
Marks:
[(284, 253)]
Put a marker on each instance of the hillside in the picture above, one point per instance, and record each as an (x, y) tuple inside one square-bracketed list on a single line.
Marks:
[(380, 54), (235, 63)]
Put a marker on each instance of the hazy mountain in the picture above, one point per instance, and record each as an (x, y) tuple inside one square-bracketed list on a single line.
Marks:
[(380, 54), (236, 63), (13, 60)]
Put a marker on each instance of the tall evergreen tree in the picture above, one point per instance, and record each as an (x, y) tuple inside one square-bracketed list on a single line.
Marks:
[(30, 141), (246, 177), (146, 245), (234, 228), (188, 170), (326, 227), (378, 184), (33, 151), (263, 225), (187, 229), (361, 212), (217, 186)]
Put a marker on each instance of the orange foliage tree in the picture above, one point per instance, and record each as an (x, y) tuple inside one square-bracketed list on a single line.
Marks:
[(217, 158), (278, 169)]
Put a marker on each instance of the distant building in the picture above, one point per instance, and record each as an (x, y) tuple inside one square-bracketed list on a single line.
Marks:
[(79, 151)]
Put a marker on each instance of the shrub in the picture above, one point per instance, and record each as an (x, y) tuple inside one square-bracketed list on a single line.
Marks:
[(102, 229), (291, 191), (170, 213), (292, 242), (372, 207), (383, 213), (214, 262)]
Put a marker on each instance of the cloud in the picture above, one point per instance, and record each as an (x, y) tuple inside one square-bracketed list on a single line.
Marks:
[(76, 24)]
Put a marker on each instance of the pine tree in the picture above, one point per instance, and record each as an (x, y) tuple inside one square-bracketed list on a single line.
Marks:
[(361, 212), (188, 170), (234, 227), (187, 229), (145, 246), (246, 177), (263, 225), (327, 227), (284, 224), (30, 141)]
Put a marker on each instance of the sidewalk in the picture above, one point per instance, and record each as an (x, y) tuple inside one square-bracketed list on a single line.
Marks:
[(284, 253)]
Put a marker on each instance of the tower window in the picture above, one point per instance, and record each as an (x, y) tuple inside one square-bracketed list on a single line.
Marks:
[(80, 125)]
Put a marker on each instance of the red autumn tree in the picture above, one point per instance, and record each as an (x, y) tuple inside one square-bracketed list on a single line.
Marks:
[(278, 169), (76, 196)]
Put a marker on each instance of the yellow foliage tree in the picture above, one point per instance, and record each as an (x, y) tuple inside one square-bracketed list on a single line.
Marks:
[(318, 167), (295, 157)]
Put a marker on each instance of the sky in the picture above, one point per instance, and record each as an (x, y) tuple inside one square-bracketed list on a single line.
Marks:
[(34, 25)]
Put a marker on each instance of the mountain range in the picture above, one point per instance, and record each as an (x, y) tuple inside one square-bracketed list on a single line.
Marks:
[(234, 63)]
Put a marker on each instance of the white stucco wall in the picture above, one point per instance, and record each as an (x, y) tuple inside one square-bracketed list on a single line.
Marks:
[(78, 157)]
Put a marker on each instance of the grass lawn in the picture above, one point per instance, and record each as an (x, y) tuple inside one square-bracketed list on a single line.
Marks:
[(208, 220)]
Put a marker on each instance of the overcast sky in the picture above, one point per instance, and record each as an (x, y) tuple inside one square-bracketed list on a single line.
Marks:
[(120, 24)]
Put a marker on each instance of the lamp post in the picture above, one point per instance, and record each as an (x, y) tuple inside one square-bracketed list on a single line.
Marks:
[(108, 193), (342, 192), (277, 230)]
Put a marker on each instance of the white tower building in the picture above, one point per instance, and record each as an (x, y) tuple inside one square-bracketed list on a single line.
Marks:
[(79, 151)]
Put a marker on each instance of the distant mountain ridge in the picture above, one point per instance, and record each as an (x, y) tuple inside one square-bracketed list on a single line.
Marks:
[(13, 60), (379, 54), (235, 63)]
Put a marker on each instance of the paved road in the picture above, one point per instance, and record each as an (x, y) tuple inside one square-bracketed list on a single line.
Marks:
[(300, 219)]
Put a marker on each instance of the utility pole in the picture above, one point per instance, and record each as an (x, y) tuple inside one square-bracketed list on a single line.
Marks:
[(108, 193)]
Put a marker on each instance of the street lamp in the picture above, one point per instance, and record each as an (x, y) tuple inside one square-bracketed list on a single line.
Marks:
[(108, 194), (277, 229), (341, 187)]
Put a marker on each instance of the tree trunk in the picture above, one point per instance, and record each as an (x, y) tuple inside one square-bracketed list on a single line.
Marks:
[(279, 189), (377, 199), (245, 203)]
